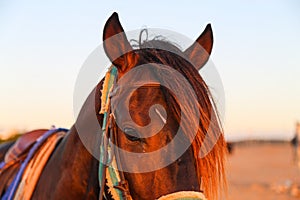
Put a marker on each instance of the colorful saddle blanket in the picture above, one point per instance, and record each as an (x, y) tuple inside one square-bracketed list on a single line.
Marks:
[(32, 152), (22, 145)]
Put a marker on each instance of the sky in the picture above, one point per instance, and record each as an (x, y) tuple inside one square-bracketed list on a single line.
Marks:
[(43, 45)]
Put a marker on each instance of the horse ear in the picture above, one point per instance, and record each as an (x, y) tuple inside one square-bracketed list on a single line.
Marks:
[(199, 52), (116, 45)]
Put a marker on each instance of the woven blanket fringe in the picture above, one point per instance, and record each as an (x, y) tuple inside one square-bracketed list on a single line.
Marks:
[(35, 167)]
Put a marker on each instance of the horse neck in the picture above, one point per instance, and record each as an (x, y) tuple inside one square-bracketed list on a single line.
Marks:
[(71, 172), (77, 148), (73, 169), (74, 154)]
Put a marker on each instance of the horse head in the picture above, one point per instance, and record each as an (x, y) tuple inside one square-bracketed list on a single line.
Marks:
[(162, 111)]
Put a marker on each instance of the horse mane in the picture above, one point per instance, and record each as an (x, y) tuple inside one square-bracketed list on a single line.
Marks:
[(210, 168)]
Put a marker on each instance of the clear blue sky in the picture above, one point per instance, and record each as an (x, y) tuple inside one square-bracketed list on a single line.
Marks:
[(44, 43)]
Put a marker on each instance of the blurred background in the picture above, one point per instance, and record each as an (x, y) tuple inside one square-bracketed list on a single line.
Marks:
[(43, 45)]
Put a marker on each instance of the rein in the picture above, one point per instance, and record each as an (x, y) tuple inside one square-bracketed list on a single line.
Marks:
[(116, 182)]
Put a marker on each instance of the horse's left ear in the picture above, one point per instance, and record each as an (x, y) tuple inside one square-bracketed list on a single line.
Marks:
[(199, 52), (116, 45)]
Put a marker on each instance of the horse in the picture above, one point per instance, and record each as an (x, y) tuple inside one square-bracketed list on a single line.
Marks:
[(72, 171)]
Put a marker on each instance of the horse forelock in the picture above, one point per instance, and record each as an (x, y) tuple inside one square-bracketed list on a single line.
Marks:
[(210, 168)]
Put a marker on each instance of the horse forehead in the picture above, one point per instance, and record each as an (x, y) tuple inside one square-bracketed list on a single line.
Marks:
[(142, 98), (138, 90), (137, 101), (147, 94)]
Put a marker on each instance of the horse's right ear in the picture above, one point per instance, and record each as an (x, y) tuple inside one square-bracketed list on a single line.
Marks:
[(199, 52), (116, 45)]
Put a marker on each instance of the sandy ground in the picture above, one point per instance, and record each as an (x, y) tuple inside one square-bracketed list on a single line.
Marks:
[(263, 171)]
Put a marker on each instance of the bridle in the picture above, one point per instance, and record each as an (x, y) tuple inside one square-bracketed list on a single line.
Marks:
[(108, 165), (108, 173)]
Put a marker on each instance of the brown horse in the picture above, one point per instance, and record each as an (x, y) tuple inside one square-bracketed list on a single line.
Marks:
[(72, 172)]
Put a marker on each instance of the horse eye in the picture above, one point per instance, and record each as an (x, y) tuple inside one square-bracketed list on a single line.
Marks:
[(131, 134)]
